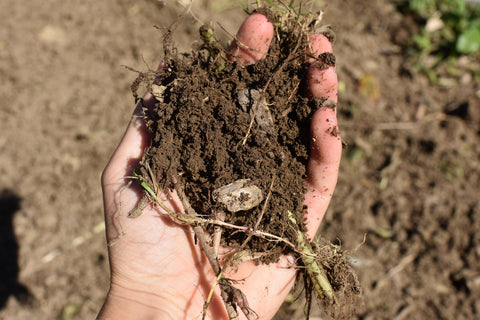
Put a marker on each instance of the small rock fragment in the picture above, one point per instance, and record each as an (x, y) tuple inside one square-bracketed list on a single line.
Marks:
[(52, 35), (157, 91), (247, 98), (238, 195), (252, 101)]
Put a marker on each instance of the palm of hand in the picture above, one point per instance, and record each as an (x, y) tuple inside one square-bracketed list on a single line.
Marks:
[(155, 263), (154, 256)]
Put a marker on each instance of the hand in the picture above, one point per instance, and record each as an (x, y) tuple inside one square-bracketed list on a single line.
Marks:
[(157, 272)]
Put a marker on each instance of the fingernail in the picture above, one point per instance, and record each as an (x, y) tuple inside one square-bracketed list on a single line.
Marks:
[(328, 33), (329, 103)]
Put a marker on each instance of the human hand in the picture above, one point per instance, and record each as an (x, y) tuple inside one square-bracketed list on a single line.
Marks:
[(157, 271)]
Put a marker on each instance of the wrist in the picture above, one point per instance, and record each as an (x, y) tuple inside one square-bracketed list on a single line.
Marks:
[(122, 303)]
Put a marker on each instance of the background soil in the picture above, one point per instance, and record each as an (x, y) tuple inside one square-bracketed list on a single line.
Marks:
[(407, 196)]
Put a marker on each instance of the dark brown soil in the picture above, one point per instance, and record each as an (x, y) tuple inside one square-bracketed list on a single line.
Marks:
[(204, 138), (216, 122)]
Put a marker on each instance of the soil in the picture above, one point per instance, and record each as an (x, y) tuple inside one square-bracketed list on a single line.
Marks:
[(217, 124), (406, 205), (212, 128)]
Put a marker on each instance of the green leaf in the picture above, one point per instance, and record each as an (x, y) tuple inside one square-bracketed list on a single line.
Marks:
[(469, 41), (422, 41), (424, 8)]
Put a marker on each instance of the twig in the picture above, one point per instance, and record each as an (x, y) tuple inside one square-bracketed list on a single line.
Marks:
[(265, 204), (217, 231), (316, 273), (261, 215), (241, 44), (225, 287), (210, 294), (183, 219), (398, 268), (287, 111), (250, 126)]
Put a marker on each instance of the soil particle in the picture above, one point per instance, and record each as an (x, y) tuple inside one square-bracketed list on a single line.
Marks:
[(267, 13)]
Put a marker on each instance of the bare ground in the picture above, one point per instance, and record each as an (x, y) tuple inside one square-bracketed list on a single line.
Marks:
[(406, 204)]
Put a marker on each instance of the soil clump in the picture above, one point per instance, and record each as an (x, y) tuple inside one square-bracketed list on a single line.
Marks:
[(235, 140), (206, 139)]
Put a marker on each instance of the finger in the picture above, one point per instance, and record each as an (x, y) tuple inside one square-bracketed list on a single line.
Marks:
[(323, 165), (318, 44), (321, 76), (253, 40), (127, 155), (136, 138), (326, 144)]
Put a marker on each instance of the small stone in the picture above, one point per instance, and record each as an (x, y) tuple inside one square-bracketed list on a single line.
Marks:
[(252, 101), (53, 35), (157, 91), (247, 98), (263, 116), (238, 195), (434, 23)]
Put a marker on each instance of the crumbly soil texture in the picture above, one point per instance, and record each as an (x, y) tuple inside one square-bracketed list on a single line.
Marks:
[(205, 137), (217, 123)]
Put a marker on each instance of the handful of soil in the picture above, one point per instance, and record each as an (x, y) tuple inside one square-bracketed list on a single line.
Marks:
[(233, 140)]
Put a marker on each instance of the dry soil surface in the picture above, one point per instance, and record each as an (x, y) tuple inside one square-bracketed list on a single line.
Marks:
[(406, 204)]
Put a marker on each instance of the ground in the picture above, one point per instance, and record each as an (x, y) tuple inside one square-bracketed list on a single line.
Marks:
[(406, 205)]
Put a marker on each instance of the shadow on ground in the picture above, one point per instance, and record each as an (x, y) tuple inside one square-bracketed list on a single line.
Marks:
[(9, 285)]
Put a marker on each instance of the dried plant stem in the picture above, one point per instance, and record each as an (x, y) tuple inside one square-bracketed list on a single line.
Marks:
[(316, 273), (250, 125), (225, 287), (265, 204), (186, 219), (231, 296), (210, 294)]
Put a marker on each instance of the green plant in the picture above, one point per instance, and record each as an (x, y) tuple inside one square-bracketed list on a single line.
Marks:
[(460, 29), (449, 28)]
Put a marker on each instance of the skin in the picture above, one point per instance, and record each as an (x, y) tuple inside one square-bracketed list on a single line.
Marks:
[(252, 41), (157, 272), (318, 44), (320, 81)]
